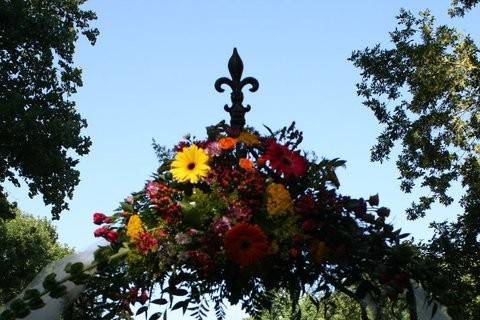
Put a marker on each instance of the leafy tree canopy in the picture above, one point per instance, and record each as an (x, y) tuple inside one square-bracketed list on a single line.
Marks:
[(426, 92), (460, 7), (336, 307), (40, 130), (27, 244)]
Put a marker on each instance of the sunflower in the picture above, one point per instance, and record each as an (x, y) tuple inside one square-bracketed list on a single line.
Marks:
[(190, 165), (246, 244)]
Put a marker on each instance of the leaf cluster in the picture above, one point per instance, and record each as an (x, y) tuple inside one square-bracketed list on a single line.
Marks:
[(40, 130)]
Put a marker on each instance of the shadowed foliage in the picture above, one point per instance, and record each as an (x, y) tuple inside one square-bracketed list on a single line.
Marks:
[(460, 7), (40, 130)]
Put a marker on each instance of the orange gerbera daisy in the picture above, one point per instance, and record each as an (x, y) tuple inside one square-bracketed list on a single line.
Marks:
[(246, 244), (227, 143)]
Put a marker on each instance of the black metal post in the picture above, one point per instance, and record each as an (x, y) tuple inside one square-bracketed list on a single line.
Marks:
[(236, 83)]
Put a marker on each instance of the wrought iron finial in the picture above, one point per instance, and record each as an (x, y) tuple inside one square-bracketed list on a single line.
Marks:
[(236, 83)]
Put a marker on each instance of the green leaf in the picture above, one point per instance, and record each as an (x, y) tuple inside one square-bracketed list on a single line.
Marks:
[(160, 301), (141, 310)]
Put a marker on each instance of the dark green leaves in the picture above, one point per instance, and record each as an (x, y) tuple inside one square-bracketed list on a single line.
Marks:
[(460, 7), (77, 273), (33, 299), (425, 92), (55, 288), (41, 130)]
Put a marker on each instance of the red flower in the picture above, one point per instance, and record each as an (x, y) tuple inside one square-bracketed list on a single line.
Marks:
[(100, 232), (111, 236), (99, 218), (309, 225), (246, 244), (284, 161), (146, 243)]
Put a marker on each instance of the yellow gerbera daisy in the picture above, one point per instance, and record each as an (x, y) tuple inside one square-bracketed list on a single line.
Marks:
[(190, 165)]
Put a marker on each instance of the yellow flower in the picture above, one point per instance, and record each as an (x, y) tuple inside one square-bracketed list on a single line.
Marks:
[(190, 165), (134, 227), (248, 139), (278, 199)]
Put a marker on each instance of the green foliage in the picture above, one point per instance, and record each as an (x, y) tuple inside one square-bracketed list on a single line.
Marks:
[(450, 261), (460, 7), (7, 209), (425, 91), (27, 244), (40, 129), (338, 306)]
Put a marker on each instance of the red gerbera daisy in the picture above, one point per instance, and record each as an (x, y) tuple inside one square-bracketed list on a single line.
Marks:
[(282, 160), (246, 244)]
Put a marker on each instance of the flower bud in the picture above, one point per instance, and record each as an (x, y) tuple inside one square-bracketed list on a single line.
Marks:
[(383, 212), (374, 200), (111, 236), (361, 207), (98, 218), (100, 232)]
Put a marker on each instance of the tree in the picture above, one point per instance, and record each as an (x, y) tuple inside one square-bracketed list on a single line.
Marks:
[(460, 7), (40, 130), (336, 307), (27, 244), (426, 92)]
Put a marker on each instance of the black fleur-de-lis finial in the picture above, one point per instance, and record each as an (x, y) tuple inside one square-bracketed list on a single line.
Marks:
[(236, 83)]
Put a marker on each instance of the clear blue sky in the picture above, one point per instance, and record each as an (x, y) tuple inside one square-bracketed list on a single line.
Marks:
[(151, 75)]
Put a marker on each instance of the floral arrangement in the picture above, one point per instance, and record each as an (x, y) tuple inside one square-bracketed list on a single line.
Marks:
[(239, 215)]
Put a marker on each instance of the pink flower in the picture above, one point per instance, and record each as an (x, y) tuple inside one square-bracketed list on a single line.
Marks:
[(240, 213), (221, 226), (143, 297), (193, 232), (152, 188), (212, 149)]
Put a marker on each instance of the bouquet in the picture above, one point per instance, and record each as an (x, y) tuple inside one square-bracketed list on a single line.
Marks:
[(239, 215)]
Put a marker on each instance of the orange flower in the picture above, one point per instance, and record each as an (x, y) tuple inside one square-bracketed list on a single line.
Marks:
[(261, 161), (246, 164), (227, 143)]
